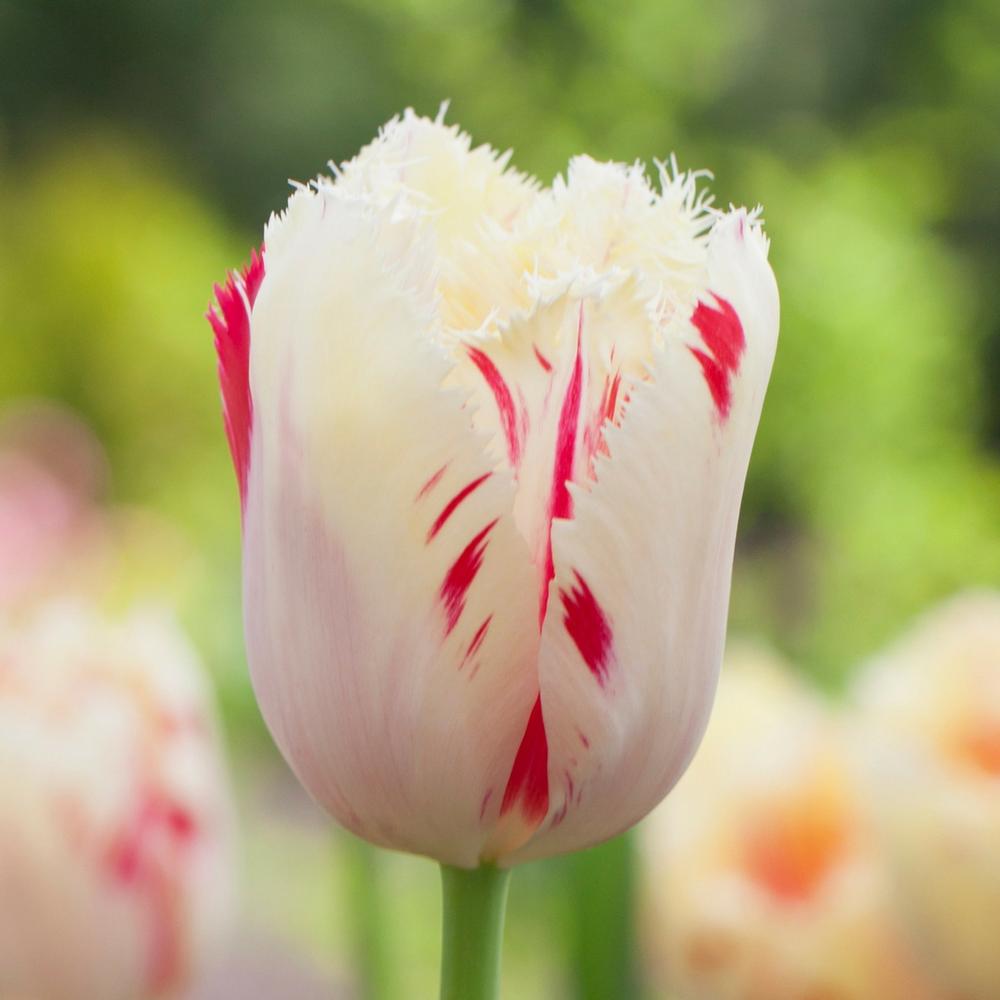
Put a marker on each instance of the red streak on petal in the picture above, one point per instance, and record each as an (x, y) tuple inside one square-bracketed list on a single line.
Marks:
[(164, 964), (593, 435), (123, 859), (485, 803), (528, 784), (231, 323), (154, 815), (432, 482), (717, 380), (253, 275), (569, 418), (504, 400), (142, 858), (588, 627), (180, 823), (612, 404), (125, 856), (453, 504), (477, 641), (542, 360), (561, 502), (722, 334), (459, 577)]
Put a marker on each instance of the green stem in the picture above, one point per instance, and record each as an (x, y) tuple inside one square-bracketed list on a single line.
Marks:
[(370, 919), (475, 900), (602, 921)]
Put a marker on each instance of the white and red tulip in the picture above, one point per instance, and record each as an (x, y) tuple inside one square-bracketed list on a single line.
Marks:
[(491, 441), (115, 815)]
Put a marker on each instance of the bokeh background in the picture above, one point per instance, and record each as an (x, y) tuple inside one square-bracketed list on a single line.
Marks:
[(142, 146)]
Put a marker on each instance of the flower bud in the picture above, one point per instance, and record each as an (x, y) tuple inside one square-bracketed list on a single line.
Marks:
[(765, 881), (491, 440), (115, 815), (932, 708)]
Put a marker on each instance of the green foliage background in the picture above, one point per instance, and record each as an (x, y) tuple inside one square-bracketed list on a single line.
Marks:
[(142, 145)]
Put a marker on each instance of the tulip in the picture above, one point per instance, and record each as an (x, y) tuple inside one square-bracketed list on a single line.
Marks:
[(115, 820), (765, 878), (490, 441), (932, 707)]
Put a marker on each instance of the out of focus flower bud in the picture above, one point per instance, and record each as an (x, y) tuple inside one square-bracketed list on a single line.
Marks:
[(763, 880), (932, 704), (115, 816)]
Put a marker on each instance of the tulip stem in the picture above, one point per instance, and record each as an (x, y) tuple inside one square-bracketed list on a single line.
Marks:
[(475, 900)]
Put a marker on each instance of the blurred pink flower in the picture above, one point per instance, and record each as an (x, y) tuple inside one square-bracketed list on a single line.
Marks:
[(115, 812), (51, 470), (57, 537)]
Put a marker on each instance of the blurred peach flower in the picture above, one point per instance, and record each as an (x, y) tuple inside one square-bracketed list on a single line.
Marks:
[(932, 704), (763, 879), (115, 815)]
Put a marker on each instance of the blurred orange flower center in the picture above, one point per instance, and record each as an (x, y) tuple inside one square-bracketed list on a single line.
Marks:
[(792, 843), (980, 745)]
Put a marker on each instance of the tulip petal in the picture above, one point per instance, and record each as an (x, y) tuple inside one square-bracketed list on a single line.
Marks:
[(386, 585), (634, 634), (546, 387), (231, 324)]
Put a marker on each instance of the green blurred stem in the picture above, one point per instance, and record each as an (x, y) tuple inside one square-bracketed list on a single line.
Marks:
[(370, 920), (602, 921), (475, 901)]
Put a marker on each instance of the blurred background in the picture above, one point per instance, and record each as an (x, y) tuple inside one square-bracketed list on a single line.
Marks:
[(142, 147)]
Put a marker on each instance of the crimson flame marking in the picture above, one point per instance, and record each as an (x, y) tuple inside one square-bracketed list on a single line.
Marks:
[(477, 641), (432, 482), (588, 627), (454, 503), (132, 861), (528, 783), (504, 400), (561, 501), (459, 577), (231, 323), (722, 334)]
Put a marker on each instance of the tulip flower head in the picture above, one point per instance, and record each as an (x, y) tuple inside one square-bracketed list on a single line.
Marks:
[(115, 821), (490, 441), (932, 705), (765, 881)]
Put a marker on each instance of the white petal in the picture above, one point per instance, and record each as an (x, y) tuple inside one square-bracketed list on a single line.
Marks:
[(394, 676), (637, 612), (470, 197)]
